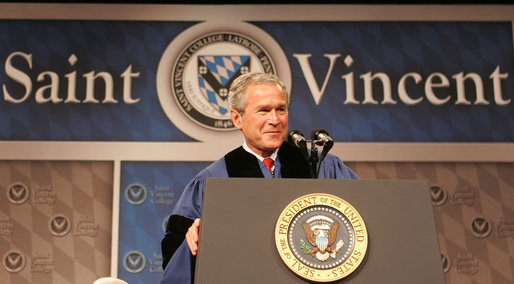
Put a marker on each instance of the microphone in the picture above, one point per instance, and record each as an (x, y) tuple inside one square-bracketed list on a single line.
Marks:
[(297, 139), (321, 137)]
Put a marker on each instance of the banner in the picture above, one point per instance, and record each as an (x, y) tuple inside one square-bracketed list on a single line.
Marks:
[(361, 81)]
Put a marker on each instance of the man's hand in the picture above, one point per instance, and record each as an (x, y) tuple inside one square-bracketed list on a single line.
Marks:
[(192, 236)]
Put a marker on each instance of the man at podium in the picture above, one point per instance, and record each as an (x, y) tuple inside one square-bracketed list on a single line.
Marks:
[(259, 108)]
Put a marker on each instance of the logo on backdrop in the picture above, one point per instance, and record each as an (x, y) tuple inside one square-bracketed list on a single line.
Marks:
[(86, 227), (215, 75), (198, 67), (467, 263), (59, 225), (438, 195), (481, 227), (321, 237), (134, 261), (14, 261), (6, 228), (464, 196), (44, 194), (505, 228), (18, 193), (136, 194), (162, 195), (41, 262)]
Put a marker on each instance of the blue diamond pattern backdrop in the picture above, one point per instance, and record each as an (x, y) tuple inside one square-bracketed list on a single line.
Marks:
[(99, 46), (396, 49), (389, 47)]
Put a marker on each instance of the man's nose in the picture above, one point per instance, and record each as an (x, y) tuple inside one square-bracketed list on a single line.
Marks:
[(273, 117)]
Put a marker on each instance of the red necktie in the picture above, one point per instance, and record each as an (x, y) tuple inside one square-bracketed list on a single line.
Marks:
[(269, 163)]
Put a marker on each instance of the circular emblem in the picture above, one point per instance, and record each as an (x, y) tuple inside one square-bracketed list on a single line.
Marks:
[(438, 195), (321, 237), (136, 194), (203, 73), (481, 227), (59, 225), (14, 261), (134, 261), (18, 193), (198, 67)]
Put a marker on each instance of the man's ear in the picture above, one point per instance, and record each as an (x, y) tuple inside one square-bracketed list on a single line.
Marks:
[(236, 118)]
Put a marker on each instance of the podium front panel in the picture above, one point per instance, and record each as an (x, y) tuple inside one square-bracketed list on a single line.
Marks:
[(237, 234)]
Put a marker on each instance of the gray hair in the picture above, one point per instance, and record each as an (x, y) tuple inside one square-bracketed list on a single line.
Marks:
[(237, 96)]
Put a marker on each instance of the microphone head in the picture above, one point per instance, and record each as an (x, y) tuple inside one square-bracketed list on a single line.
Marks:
[(315, 134), (322, 137), (295, 132), (295, 137)]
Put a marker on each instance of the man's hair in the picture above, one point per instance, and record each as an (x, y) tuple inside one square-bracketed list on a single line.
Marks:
[(237, 96)]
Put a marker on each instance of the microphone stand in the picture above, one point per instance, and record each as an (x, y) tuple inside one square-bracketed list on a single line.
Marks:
[(313, 160), (297, 139)]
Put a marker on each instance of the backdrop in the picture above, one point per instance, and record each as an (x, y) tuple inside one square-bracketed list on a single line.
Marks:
[(106, 116)]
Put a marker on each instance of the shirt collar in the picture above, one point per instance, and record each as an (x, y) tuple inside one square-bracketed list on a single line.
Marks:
[(273, 155)]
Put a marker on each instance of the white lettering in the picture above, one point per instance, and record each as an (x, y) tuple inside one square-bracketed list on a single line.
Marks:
[(53, 87), (430, 84), (18, 76), (402, 92), (496, 76), (127, 85), (368, 88), (479, 89), (316, 92), (72, 87), (348, 78), (90, 87), (433, 82), (48, 91)]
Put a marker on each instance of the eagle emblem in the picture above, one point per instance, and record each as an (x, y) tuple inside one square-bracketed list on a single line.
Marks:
[(317, 231), (321, 233)]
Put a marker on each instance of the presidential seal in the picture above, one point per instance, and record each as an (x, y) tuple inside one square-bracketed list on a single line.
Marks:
[(200, 64), (321, 237)]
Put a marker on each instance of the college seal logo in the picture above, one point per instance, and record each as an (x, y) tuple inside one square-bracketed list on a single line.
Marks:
[(196, 70), (321, 237), (59, 225), (481, 227), (136, 194), (14, 261), (18, 193), (134, 261), (215, 75), (438, 195)]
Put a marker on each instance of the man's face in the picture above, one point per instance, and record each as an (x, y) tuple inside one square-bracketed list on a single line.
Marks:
[(264, 121)]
